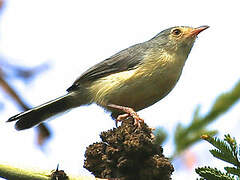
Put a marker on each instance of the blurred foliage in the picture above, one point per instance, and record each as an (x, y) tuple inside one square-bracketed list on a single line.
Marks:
[(26, 74), (10, 72), (226, 150), (188, 135), (160, 135)]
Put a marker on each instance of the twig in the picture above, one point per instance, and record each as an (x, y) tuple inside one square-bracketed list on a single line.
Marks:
[(13, 173)]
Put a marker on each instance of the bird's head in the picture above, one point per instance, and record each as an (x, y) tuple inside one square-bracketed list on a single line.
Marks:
[(178, 38)]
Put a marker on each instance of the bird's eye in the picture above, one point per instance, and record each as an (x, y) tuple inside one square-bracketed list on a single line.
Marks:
[(176, 32)]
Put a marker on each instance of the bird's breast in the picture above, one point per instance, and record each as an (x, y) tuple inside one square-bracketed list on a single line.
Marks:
[(137, 88)]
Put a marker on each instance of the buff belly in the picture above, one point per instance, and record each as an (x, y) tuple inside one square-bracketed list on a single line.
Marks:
[(136, 88)]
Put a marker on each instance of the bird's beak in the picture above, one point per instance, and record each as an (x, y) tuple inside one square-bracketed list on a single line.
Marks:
[(196, 31)]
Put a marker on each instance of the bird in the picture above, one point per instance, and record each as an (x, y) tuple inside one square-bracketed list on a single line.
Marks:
[(126, 82)]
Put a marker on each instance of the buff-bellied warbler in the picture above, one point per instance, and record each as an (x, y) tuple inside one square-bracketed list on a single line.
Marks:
[(131, 80)]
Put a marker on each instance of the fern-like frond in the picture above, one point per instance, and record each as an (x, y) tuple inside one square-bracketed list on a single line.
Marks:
[(208, 173), (233, 170)]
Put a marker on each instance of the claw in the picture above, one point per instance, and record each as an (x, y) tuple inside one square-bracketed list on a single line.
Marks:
[(129, 113)]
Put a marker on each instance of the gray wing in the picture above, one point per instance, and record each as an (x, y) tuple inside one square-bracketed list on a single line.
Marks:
[(124, 60)]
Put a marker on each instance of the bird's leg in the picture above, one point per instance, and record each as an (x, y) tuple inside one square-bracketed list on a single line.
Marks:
[(129, 113)]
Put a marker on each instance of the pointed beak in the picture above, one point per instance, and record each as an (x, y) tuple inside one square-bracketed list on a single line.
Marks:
[(196, 31)]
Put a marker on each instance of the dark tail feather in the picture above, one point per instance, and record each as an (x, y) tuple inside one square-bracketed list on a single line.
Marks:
[(40, 113)]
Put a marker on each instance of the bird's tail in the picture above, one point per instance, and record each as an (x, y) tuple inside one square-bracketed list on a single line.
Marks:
[(40, 113)]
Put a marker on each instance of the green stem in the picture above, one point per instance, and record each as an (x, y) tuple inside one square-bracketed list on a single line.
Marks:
[(13, 173)]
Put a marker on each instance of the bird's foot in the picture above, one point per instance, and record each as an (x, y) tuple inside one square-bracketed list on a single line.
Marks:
[(129, 113)]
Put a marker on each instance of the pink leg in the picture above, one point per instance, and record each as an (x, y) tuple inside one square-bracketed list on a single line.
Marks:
[(129, 113)]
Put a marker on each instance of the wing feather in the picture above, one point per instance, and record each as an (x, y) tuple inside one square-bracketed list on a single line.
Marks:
[(124, 60)]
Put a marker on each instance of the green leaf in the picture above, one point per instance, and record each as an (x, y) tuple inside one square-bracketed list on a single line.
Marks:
[(160, 136), (226, 150), (233, 170), (209, 173), (225, 157)]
